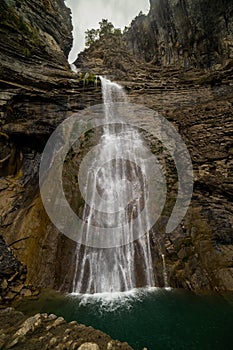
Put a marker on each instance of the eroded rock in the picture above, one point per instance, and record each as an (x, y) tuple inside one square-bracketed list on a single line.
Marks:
[(19, 332)]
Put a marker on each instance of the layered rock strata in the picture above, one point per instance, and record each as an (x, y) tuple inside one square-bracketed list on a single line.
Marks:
[(198, 102), (38, 91), (184, 33)]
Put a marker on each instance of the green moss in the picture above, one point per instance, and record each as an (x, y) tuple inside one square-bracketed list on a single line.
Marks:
[(88, 78), (26, 52)]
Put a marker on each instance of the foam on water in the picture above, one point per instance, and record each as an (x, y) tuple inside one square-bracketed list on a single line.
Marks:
[(110, 302)]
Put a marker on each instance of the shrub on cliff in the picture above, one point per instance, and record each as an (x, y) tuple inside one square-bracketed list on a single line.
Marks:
[(106, 28)]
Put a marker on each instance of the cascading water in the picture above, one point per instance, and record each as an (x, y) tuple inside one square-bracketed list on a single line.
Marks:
[(165, 279), (122, 188)]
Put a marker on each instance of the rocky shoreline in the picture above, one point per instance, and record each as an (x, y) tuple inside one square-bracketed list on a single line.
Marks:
[(40, 331), (43, 331)]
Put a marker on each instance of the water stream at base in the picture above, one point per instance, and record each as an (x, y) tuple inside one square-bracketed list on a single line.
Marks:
[(122, 188)]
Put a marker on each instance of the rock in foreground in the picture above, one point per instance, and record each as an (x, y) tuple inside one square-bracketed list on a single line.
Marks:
[(43, 331)]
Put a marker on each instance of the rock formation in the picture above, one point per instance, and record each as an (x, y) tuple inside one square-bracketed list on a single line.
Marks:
[(184, 33), (43, 331), (155, 61), (38, 91), (198, 101), (12, 277)]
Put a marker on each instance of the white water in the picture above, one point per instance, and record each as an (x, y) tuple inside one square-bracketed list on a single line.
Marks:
[(73, 68), (165, 278), (117, 300), (122, 189)]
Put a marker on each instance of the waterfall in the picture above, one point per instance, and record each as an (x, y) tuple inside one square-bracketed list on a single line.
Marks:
[(165, 279), (73, 68), (118, 189)]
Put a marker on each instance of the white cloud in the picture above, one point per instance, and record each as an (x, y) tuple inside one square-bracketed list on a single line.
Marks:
[(88, 13)]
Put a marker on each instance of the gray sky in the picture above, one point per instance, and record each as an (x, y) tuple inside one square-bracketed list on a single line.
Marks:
[(88, 13)]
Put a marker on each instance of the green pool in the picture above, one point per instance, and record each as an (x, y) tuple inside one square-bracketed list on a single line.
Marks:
[(157, 319)]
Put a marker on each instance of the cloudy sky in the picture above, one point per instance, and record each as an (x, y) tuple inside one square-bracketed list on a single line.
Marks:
[(88, 13)]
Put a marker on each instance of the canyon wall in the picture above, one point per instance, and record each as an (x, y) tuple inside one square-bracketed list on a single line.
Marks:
[(155, 63), (37, 92), (175, 60), (184, 33)]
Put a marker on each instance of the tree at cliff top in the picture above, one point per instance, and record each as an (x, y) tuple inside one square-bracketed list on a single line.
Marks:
[(106, 28)]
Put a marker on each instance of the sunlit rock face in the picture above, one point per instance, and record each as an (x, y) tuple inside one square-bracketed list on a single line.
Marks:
[(184, 33)]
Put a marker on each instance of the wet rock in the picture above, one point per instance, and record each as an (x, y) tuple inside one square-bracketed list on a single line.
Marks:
[(26, 292), (4, 284), (9, 296), (112, 345), (53, 341), (17, 288), (9, 265)]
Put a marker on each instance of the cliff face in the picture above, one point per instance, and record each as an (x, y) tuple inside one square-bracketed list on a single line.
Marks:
[(199, 103), (184, 33), (37, 92), (198, 253), (33, 31), (34, 45)]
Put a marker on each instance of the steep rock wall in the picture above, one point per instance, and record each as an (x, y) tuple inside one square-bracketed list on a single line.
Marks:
[(37, 92), (184, 33), (198, 102)]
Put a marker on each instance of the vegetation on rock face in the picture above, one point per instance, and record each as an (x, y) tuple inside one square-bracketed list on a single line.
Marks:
[(26, 35), (106, 28), (29, 35)]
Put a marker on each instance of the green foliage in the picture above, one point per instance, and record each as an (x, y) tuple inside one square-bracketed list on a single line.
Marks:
[(91, 36), (117, 31), (106, 28)]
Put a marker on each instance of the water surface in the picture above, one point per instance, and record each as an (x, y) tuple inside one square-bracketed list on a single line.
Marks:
[(157, 319)]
